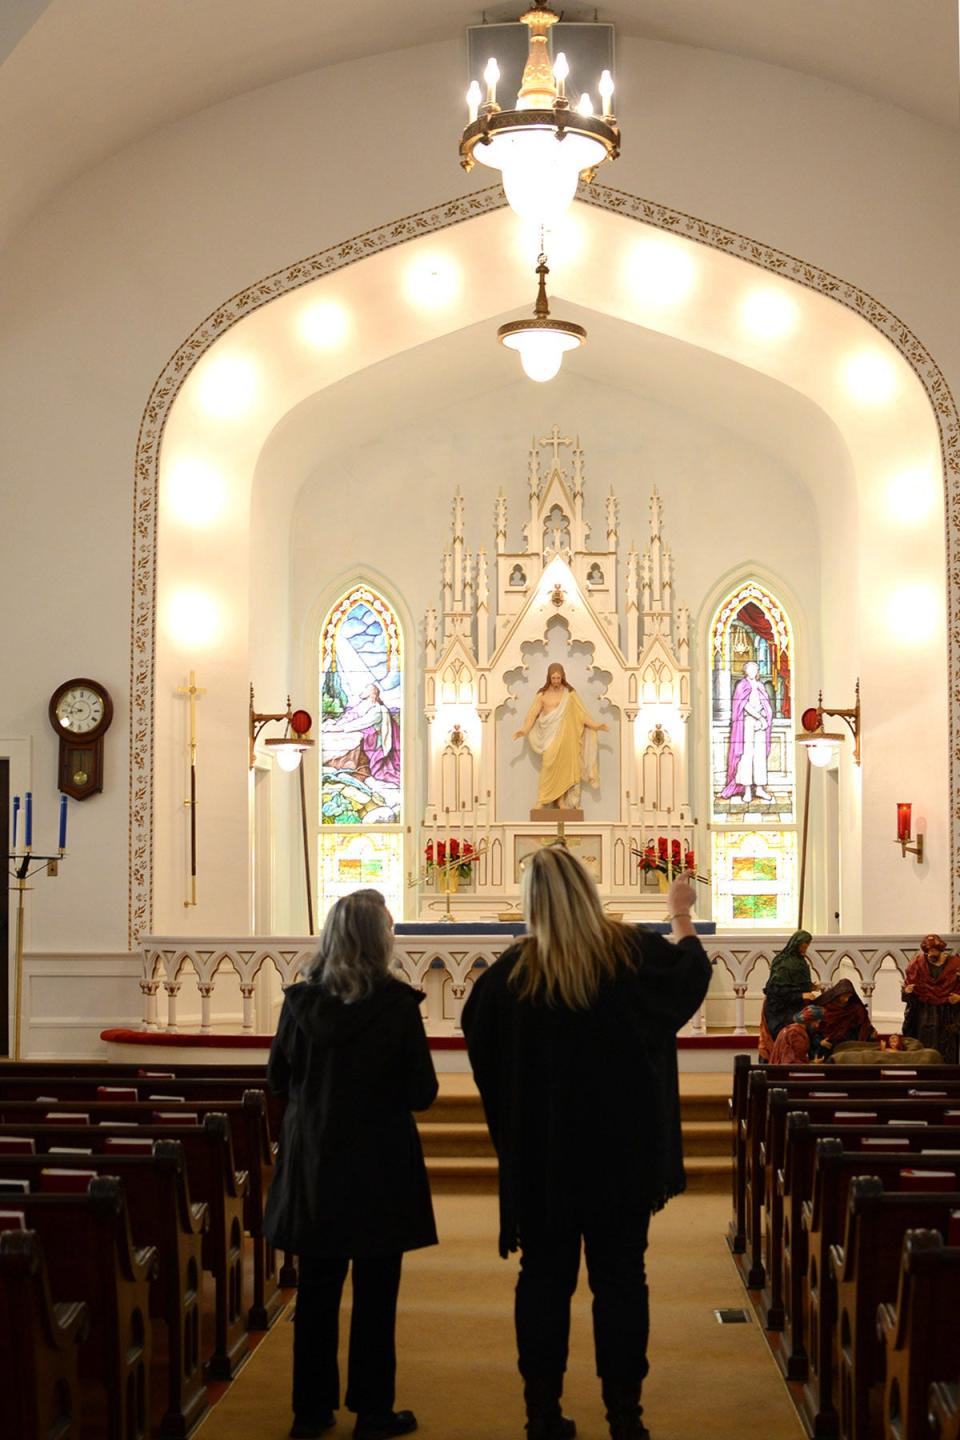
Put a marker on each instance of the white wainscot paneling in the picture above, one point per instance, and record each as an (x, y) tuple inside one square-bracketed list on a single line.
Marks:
[(68, 998)]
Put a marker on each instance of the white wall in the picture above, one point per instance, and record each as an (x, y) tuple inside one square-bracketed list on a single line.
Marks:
[(111, 275)]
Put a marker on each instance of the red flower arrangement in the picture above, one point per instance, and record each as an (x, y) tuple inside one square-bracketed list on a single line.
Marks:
[(459, 854), (667, 856)]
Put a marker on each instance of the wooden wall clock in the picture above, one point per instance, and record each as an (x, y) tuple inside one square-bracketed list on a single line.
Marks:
[(81, 712)]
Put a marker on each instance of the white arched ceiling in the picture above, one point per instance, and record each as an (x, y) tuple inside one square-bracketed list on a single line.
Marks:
[(314, 325), (85, 80)]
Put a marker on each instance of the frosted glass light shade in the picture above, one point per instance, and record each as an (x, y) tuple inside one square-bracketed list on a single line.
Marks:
[(288, 757), (540, 172), (541, 351), (820, 753)]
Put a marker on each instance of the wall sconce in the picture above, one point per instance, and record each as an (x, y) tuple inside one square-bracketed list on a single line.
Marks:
[(904, 827), (819, 743), (287, 749)]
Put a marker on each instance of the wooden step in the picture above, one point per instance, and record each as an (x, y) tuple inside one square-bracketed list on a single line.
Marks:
[(706, 1137), (477, 1175), (461, 1175), (457, 1139), (708, 1175)]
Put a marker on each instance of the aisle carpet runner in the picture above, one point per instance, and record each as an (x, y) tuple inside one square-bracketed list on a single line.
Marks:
[(457, 1364)]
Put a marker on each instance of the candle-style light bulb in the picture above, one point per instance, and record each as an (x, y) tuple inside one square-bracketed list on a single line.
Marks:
[(491, 75), (560, 72), (606, 92), (584, 105), (474, 97)]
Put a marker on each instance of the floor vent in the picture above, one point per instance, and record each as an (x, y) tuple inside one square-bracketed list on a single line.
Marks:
[(732, 1317)]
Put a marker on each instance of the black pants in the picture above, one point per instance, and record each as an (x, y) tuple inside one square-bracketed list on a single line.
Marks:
[(621, 1305), (373, 1359)]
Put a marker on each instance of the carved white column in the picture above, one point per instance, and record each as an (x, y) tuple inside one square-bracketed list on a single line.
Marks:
[(430, 639), (633, 602), (612, 525), (458, 550), (483, 609), (500, 521)]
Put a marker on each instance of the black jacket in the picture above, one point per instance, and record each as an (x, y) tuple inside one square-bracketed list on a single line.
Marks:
[(350, 1178), (583, 1105)]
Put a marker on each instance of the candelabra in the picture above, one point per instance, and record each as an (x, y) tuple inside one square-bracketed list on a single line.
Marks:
[(22, 866)]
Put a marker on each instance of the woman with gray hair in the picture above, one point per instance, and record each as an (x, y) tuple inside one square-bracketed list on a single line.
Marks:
[(351, 1056), (572, 1038)]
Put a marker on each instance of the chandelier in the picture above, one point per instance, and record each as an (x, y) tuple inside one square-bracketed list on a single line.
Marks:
[(544, 145), (541, 342)]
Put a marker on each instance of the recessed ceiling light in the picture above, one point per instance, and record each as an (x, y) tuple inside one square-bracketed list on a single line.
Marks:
[(870, 377), (226, 386), (193, 619), (911, 494), (660, 272), (431, 281), (325, 324), (194, 491), (768, 314), (912, 613)]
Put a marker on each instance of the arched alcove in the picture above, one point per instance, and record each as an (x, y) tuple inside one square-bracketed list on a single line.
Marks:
[(203, 592)]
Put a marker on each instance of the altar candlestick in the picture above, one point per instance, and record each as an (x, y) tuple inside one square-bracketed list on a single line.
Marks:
[(16, 817), (63, 823), (28, 820)]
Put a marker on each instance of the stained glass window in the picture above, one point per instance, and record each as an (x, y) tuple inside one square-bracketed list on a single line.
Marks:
[(361, 750), (359, 859), (360, 732), (751, 730), (752, 755), (754, 878)]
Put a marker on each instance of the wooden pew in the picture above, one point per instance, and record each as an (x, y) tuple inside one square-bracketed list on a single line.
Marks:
[(824, 1220), (161, 1214), (214, 1180), (752, 1123), (888, 1103), (866, 1272), (253, 1147), (39, 1339), (737, 1229), (919, 1333), (87, 1245), (192, 1089), (945, 1410), (791, 1186)]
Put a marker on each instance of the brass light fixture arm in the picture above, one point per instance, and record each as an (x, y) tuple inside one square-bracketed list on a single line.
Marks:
[(850, 717)]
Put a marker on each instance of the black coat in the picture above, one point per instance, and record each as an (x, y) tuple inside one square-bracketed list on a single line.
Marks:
[(583, 1105), (350, 1178)]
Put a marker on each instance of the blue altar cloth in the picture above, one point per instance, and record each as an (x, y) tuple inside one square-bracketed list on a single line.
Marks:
[(435, 927)]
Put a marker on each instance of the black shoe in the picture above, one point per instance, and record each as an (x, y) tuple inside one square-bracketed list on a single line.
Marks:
[(381, 1427), (558, 1427), (622, 1399), (310, 1429)]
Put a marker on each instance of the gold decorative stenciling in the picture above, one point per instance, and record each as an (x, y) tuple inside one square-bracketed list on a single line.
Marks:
[(397, 232)]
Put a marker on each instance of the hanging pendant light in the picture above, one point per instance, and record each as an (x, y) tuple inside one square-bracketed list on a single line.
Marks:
[(541, 341), (543, 146)]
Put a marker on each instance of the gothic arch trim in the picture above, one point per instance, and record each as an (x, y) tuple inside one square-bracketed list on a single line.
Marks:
[(396, 232)]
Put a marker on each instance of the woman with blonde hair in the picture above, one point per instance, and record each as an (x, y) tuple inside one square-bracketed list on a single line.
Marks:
[(351, 1055), (572, 1038)]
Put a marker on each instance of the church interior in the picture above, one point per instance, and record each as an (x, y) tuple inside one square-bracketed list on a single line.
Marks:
[(333, 427)]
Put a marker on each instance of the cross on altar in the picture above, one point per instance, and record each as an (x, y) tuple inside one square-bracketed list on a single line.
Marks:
[(556, 440)]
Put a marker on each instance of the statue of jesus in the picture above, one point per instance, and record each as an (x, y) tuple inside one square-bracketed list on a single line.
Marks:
[(561, 731)]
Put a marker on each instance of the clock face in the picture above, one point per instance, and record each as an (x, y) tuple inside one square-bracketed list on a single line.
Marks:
[(79, 710)]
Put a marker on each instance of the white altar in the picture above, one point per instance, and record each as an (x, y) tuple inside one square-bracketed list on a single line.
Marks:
[(505, 618)]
